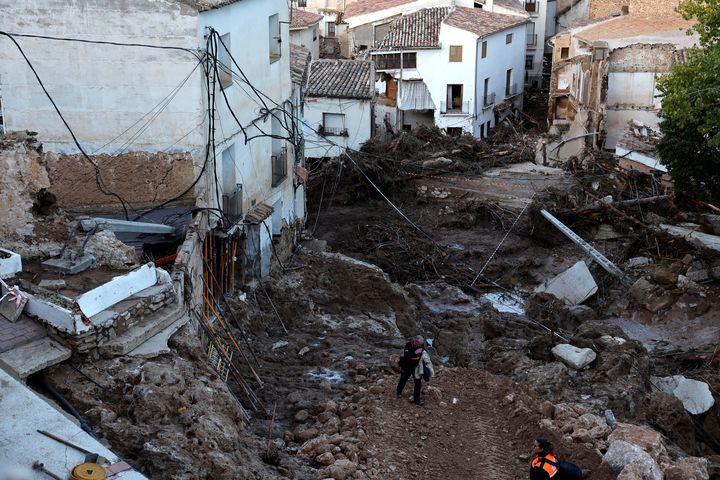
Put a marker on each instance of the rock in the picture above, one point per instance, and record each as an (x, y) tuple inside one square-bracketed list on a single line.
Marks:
[(638, 262), (699, 239), (280, 344), (573, 286), (314, 447), (644, 437), (437, 162), (631, 472), (303, 351), (595, 425), (688, 468), (329, 406), (573, 357), (666, 384), (326, 458), (694, 395), (547, 409), (340, 470), (641, 290), (621, 454), (52, 284), (301, 416), (685, 283), (658, 302), (607, 232), (394, 362), (664, 277), (108, 250), (714, 222), (610, 341), (581, 313), (305, 434)]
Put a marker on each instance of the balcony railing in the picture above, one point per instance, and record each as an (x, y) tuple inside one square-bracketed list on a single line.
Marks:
[(279, 167), (489, 100), (337, 131), (511, 90), (232, 204), (464, 108), (532, 39)]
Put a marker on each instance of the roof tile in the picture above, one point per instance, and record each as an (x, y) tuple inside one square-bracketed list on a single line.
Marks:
[(342, 79), (304, 19), (481, 22), (299, 61), (419, 29), (362, 7)]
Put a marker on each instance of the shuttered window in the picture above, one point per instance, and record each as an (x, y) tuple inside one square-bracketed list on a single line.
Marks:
[(456, 53), (484, 49)]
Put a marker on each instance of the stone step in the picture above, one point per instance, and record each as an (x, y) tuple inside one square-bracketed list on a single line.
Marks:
[(158, 344), (32, 357), (140, 333)]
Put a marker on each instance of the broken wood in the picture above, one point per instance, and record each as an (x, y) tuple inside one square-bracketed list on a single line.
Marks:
[(600, 206)]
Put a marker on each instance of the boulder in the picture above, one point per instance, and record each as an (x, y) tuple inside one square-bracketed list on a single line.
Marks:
[(340, 470), (688, 468), (620, 454), (326, 458), (664, 277), (595, 425), (694, 395), (573, 286), (641, 290), (394, 362), (631, 472), (644, 437), (572, 356), (314, 447)]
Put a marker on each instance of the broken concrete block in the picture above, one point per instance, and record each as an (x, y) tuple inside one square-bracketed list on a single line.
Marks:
[(698, 239), (12, 306), (714, 222), (694, 395), (641, 289), (685, 283), (117, 289), (10, 263), (280, 344), (607, 232), (572, 356), (666, 384), (621, 454), (52, 284), (303, 351), (67, 266), (437, 163), (638, 262), (610, 341), (573, 286)]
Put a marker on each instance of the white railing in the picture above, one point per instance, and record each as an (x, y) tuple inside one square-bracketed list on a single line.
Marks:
[(464, 108)]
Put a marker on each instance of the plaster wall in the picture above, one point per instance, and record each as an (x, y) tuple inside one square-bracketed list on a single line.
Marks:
[(358, 122), (572, 13), (308, 38), (500, 58), (247, 22), (617, 119)]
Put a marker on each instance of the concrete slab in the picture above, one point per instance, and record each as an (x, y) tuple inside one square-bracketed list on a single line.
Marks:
[(66, 266), (24, 412), (11, 307), (55, 315), (52, 284), (573, 286), (10, 263), (117, 289), (699, 239), (158, 344), (151, 291), (34, 356), (141, 333), (25, 330)]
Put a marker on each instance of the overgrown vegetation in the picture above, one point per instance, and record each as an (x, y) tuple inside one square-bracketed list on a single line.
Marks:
[(690, 147)]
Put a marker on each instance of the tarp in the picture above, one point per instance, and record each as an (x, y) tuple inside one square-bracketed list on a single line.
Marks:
[(415, 96)]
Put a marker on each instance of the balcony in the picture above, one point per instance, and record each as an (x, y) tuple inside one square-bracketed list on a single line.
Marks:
[(532, 39), (232, 204), (332, 131), (488, 100), (511, 90), (279, 167), (463, 110)]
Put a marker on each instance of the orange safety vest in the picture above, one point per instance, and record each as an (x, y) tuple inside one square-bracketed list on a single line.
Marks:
[(546, 465)]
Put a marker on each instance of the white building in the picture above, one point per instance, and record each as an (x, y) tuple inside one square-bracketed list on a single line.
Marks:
[(305, 30), (107, 93), (541, 27), (459, 68), (339, 106)]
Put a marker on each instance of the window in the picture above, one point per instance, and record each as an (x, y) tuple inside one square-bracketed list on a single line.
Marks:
[(314, 33), (232, 191), (529, 62), (455, 97), (508, 38), (564, 53), (302, 3), (487, 127), (330, 29), (561, 107), (224, 63), (486, 92), (484, 49), (531, 5), (334, 124), (391, 87), (279, 150), (531, 35), (274, 37), (482, 130), (454, 131), (456, 53), (391, 61), (509, 88)]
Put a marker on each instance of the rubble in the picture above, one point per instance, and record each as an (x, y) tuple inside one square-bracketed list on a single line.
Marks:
[(574, 357), (622, 455), (574, 285)]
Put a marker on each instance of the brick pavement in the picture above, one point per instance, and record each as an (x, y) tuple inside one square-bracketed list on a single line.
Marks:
[(21, 332)]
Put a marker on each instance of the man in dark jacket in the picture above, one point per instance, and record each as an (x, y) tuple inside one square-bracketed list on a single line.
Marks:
[(412, 356)]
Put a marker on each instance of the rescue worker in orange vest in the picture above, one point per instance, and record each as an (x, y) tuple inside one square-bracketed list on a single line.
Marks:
[(544, 463)]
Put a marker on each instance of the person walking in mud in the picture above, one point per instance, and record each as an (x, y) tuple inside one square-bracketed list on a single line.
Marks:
[(415, 363), (546, 466)]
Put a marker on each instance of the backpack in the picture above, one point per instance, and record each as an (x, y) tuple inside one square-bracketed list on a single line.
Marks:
[(566, 470)]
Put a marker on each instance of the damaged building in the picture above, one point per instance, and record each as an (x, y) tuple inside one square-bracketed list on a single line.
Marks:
[(604, 75)]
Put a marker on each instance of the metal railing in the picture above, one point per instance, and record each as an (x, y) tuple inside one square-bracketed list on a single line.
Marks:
[(232, 204), (279, 167), (489, 100), (532, 38), (464, 108), (511, 90), (339, 131)]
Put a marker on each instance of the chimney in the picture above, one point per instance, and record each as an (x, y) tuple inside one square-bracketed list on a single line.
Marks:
[(625, 9)]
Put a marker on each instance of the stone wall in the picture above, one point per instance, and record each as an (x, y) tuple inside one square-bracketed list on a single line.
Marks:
[(649, 8)]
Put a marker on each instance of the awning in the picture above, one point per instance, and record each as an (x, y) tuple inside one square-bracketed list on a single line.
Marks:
[(415, 96)]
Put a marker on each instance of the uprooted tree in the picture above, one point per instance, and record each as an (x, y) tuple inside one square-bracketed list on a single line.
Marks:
[(690, 147)]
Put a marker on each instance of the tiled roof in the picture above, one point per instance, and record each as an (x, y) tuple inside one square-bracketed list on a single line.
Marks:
[(481, 22), (511, 4), (419, 29), (299, 60), (361, 7), (204, 5), (629, 26), (304, 19), (341, 79)]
